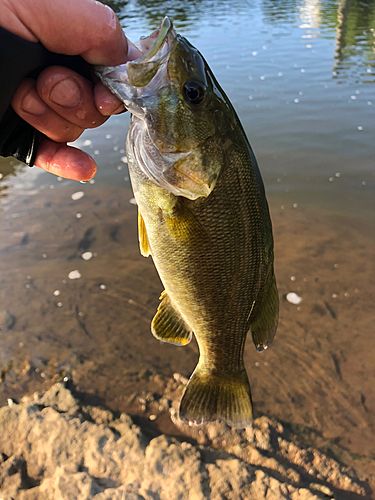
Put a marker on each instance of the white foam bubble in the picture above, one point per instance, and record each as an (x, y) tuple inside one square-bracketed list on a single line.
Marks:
[(74, 275), (86, 256), (293, 298), (77, 195)]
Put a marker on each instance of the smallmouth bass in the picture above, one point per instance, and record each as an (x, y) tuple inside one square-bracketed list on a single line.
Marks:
[(202, 216)]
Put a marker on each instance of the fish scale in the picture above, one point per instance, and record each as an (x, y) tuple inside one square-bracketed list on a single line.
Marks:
[(203, 218)]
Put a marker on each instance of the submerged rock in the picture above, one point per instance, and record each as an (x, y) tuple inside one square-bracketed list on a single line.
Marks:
[(53, 448)]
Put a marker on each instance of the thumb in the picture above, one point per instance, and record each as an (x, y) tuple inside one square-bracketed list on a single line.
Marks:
[(85, 27)]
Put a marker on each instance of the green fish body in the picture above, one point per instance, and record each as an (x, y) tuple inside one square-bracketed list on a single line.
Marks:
[(203, 217)]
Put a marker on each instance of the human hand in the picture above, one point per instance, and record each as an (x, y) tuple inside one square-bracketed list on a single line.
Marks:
[(61, 103)]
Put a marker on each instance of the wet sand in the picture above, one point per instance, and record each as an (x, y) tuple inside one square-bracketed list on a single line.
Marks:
[(317, 376)]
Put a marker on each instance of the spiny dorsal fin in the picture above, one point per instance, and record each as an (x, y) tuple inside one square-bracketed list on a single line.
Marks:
[(168, 325), (142, 236), (264, 323)]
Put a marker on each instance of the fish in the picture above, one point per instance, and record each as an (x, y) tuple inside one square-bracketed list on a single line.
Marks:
[(203, 217)]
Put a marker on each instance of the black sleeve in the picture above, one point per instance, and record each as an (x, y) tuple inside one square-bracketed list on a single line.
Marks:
[(20, 58)]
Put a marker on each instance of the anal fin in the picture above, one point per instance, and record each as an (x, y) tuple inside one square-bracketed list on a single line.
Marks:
[(144, 245), (263, 325), (168, 326)]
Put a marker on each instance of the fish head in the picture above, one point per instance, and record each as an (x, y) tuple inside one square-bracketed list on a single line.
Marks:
[(177, 107)]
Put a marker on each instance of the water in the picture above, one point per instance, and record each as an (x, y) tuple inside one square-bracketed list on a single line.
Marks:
[(77, 298)]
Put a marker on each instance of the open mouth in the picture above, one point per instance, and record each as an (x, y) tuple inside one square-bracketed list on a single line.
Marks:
[(150, 45), (138, 73), (155, 51)]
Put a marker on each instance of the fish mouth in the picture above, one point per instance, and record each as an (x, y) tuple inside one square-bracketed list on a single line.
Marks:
[(140, 78), (143, 69)]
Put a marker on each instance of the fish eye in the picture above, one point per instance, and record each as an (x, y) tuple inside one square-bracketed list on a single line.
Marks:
[(193, 93)]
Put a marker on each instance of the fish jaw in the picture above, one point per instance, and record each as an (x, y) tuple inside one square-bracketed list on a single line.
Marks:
[(140, 79)]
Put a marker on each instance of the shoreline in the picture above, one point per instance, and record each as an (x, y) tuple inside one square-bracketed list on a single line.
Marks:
[(53, 446)]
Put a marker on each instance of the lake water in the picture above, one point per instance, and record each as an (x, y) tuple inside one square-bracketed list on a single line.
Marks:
[(301, 75)]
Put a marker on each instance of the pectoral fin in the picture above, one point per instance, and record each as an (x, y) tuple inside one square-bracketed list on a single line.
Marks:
[(168, 325), (184, 226), (142, 235), (264, 323)]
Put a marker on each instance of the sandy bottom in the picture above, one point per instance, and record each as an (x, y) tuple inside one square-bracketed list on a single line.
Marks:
[(317, 377)]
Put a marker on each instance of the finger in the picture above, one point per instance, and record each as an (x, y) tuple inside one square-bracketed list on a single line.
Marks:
[(106, 102), (70, 95), (65, 161), (29, 106)]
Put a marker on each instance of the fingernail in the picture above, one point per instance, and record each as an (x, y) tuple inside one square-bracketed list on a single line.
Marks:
[(110, 105), (33, 105), (133, 52), (66, 93), (120, 109)]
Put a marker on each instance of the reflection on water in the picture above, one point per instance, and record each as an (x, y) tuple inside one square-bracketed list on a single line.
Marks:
[(77, 298), (184, 14), (355, 36)]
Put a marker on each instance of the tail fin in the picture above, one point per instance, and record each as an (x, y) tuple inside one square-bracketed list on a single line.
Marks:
[(210, 397)]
